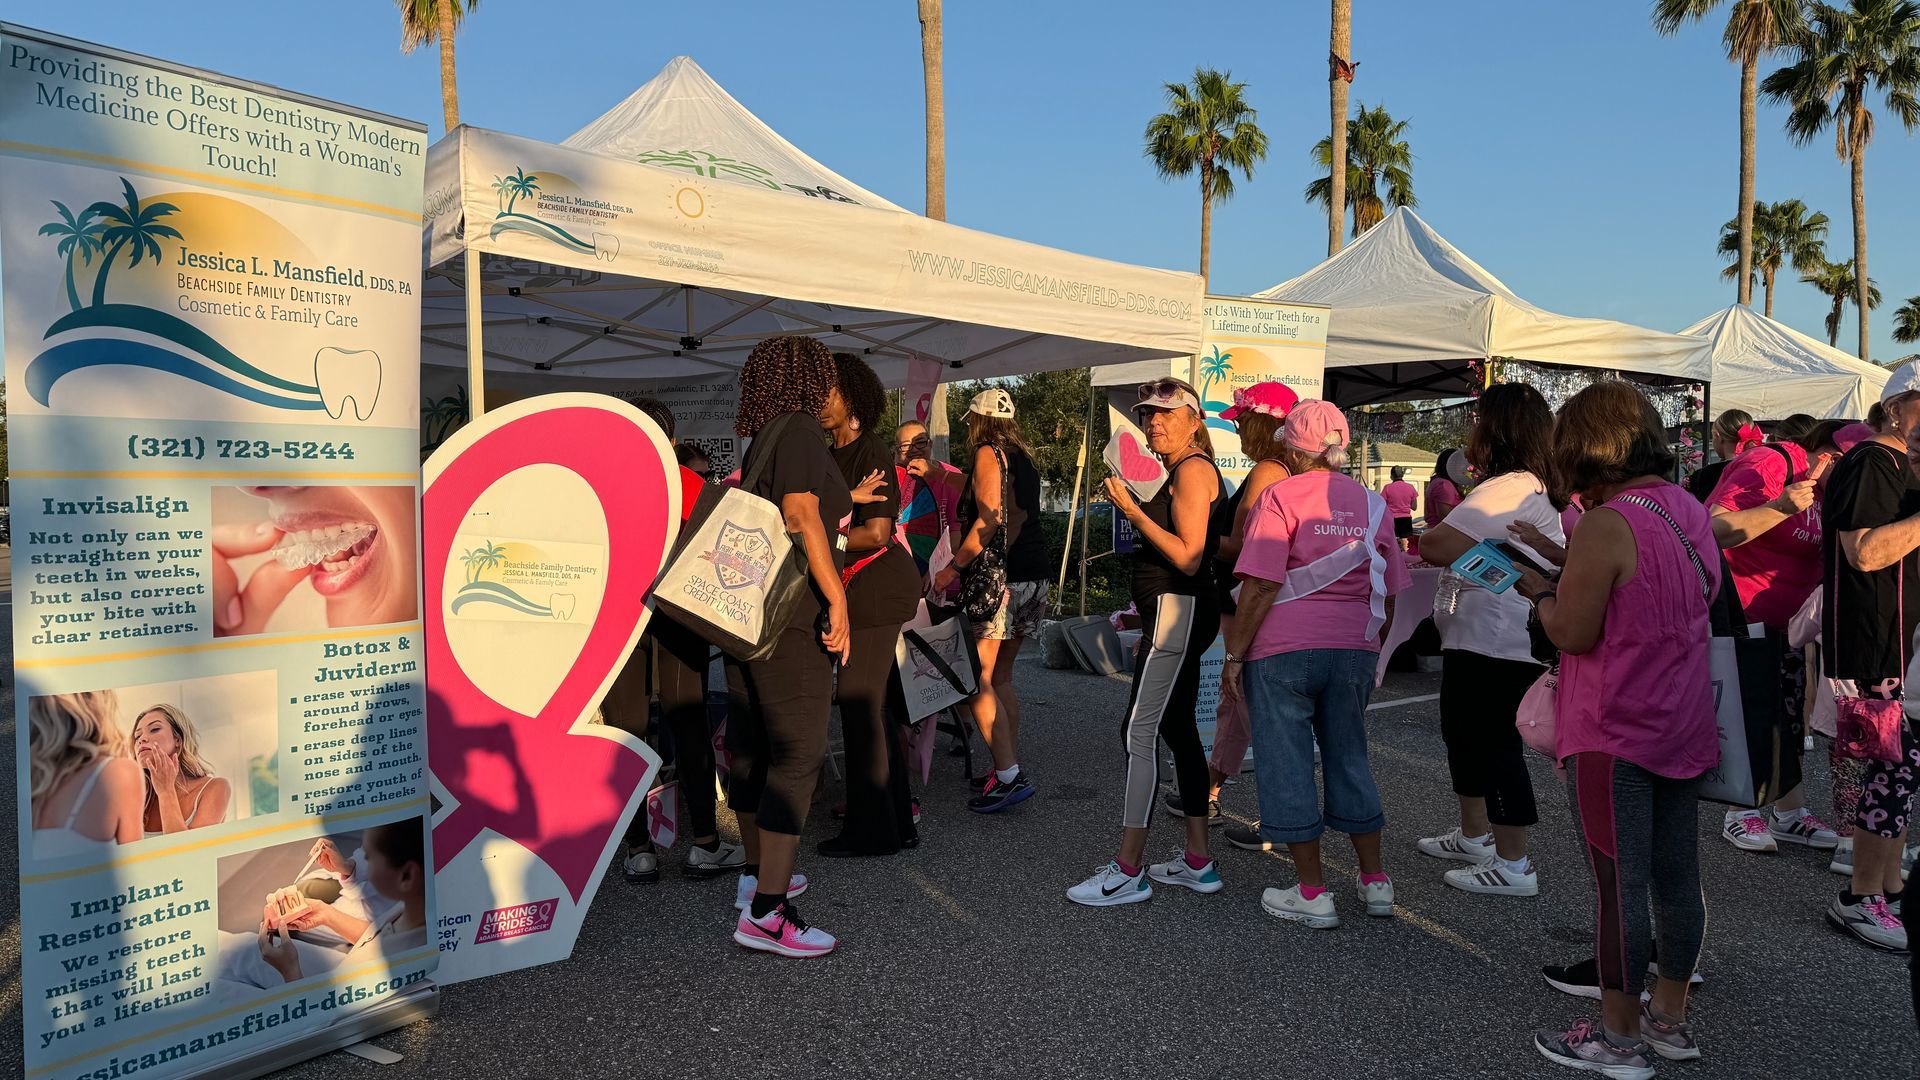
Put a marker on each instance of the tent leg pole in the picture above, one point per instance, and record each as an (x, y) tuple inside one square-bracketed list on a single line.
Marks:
[(476, 351), (1076, 507)]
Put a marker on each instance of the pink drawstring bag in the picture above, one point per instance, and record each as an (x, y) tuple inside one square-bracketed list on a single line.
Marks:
[(1535, 718)]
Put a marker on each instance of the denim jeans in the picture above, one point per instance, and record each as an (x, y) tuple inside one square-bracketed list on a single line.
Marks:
[(1294, 699)]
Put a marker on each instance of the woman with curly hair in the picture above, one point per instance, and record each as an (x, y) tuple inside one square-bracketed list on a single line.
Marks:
[(883, 588), (785, 699)]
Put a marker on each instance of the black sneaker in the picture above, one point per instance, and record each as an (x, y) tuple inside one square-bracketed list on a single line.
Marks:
[(1582, 980), (1246, 839), (999, 796), (1177, 808)]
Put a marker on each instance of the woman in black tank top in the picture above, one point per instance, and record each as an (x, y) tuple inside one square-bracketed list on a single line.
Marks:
[(1173, 585)]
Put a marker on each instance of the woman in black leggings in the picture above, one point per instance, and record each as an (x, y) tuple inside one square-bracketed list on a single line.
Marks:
[(1174, 588), (883, 589), (782, 735)]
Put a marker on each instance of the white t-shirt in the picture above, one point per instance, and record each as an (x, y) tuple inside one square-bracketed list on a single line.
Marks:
[(1487, 623)]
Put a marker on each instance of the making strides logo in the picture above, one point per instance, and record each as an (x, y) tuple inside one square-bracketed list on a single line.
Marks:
[(519, 920), (490, 556), (741, 558), (522, 185), (96, 331)]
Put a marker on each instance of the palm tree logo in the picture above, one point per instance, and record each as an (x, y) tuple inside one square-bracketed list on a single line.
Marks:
[(703, 163), (129, 225), (1214, 368), (78, 236), (440, 417), (501, 186), (481, 559), (518, 186)]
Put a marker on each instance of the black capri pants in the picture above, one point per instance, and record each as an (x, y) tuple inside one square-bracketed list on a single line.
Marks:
[(1479, 698), (777, 730)]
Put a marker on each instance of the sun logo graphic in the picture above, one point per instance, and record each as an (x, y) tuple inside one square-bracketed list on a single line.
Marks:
[(98, 331), (508, 191), (489, 556), (710, 165)]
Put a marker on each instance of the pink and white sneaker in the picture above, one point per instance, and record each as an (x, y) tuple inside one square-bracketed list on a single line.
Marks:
[(1804, 829), (1748, 831), (783, 933), (744, 889)]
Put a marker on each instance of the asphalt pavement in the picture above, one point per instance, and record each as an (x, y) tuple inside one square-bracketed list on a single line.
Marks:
[(964, 956)]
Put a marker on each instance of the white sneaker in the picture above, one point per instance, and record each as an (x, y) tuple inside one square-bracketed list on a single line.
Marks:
[(1453, 845), (748, 885), (1492, 878), (641, 866), (1176, 871), (1803, 829), (702, 863), (1748, 831), (1287, 904), (1871, 921), (1110, 886), (1907, 861), (1842, 862), (1378, 896)]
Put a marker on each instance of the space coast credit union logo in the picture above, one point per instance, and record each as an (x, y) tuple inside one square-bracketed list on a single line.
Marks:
[(517, 920), (517, 196), (741, 558)]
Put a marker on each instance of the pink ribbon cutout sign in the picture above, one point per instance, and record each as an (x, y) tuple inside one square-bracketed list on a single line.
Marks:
[(534, 779)]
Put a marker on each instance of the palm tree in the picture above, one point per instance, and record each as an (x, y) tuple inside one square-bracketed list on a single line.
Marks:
[(930, 48), (1214, 367), (1837, 282), (481, 559), (1339, 78), (1783, 233), (1906, 321), (78, 236), (1754, 28), (131, 225), (501, 187), (520, 185), (1209, 128), (1376, 151), (424, 21), (1845, 53)]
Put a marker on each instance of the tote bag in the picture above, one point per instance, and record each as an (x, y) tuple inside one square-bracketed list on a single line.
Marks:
[(736, 576), (937, 664)]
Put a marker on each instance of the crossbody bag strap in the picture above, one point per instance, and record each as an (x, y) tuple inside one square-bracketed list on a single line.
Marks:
[(1693, 556), (752, 476), (924, 648), (1004, 535)]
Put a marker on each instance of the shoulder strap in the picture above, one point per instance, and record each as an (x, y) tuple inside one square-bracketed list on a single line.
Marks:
[(752, 476), (73, 812), (1783, 452), (197, 796), (1693, 556), (920, 645)]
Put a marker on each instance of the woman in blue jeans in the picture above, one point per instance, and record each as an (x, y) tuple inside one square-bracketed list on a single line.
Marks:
[(1319, 543)]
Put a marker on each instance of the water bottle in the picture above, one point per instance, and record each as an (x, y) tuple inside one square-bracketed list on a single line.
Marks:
[(1446, 595)]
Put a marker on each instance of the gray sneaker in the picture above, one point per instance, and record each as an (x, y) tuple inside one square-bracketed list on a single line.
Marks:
[(1869, 919), (1842, 861), (702, 863), (1585, 1047), (1907, 861), (1671, 1041), (1248, 839)]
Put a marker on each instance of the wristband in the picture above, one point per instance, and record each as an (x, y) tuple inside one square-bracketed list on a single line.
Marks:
[(1232, 659)]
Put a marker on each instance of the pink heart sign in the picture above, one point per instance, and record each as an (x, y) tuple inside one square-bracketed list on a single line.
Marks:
[(544, 526), (1127, 457)]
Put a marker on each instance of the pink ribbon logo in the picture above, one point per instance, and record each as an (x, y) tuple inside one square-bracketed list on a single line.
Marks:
[(526, 778)]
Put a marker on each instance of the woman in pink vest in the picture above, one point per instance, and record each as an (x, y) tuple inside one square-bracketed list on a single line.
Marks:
[(1635, 718)]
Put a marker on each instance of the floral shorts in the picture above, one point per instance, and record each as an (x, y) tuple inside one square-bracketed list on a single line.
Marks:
[(1022, 607)]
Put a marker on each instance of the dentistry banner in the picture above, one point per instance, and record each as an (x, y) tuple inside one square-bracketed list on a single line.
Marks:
[(212, 325), (545, 524)]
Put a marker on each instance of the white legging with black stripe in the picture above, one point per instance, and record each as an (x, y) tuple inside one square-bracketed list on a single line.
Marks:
[(1175, 632)]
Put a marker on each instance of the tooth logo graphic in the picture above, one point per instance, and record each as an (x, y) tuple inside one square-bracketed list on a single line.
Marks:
[(606, 246), (742, 558), (562, 605), (522, 185), (344, 375)]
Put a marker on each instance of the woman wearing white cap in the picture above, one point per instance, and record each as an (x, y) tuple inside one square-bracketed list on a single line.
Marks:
[(1174, 588), (1002, 561)]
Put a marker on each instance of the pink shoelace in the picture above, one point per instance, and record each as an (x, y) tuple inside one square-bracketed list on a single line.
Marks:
[(1753, 825), (1882, 914)]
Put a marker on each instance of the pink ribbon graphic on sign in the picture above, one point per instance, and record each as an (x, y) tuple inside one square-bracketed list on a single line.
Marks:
[(663, 814), (527, 778)]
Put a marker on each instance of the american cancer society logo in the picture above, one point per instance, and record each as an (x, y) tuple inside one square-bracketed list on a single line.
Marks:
[(741, 558), (518, 920)]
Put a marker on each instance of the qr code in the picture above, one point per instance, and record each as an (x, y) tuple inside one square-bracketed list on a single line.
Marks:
[(720, 452)]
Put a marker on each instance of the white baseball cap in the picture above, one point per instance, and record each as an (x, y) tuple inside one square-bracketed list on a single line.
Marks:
[(992, 401), (1905, 380)]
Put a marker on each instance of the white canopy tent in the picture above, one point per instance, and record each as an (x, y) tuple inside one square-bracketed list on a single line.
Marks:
[(667, 237), (1773, 371), (1411, 310)]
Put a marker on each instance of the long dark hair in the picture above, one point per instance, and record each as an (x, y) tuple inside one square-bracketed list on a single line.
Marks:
[(784, 374), (1513, 432)]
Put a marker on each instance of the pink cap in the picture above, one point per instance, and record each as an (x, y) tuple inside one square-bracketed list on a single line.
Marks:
[(1315, 426), (1852, 435), (1267, 398)]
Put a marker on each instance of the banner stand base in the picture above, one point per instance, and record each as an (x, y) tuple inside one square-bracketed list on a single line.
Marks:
[(422, 1004)]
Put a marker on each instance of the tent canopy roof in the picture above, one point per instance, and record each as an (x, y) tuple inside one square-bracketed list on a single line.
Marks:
[(666, 238), (1773, 371), (1411, 310)]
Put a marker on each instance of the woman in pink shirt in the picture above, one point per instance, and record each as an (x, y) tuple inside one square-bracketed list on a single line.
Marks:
[(1401, 499), (1635, 717), (1442, 493), (1316, 542)]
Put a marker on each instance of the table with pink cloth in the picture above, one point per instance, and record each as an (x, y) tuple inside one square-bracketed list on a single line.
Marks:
[(1408, 609)]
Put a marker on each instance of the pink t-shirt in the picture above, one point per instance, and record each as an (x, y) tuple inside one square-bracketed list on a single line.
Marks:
[(1776, 571), (1295, 522), (1442, 497), (1401, 497)]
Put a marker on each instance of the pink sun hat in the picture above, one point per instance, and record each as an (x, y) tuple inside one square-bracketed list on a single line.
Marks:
[(1853, 435), (1315, 426), (1267, 398)]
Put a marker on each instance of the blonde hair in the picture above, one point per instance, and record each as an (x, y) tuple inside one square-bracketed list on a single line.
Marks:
[(192, 765), (68, 732)]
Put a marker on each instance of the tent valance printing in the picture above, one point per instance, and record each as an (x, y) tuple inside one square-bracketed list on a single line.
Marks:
[(666, 238)]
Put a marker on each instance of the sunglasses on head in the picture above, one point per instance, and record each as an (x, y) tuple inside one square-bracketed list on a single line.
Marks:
[(1160, 388)]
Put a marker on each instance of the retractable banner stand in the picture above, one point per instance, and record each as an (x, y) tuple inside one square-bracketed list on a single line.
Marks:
[(212, 328), (545, 524)]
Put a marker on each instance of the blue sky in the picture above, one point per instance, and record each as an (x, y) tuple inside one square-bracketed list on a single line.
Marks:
[(1568, 148)]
